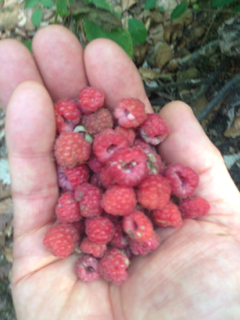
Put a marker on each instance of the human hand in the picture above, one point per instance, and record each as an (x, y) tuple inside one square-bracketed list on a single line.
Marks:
[(196, 272)]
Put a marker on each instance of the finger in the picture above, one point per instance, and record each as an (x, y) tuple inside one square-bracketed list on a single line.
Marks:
[(59, 57), (16, 65), (188, 144), (110, 70)]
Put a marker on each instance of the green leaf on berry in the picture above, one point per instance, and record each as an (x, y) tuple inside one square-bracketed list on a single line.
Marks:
[(120, 36), (37, 17), (137, 31), (30, 4), (179, 10), (48, 3)]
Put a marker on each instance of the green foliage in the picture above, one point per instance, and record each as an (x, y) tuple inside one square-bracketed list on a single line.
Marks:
[(237, 8), (161, 9), (1, 1), (150, 4), (30, 4), (221, 3), (47, 3), (100, 4), (37, 17), (137, 31), (62, 9), (179, 10), (28, 44), (195, 6), (120, 36)]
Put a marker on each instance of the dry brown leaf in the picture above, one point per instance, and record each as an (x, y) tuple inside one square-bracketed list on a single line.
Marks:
[(172, 33), (8, 254), (164, 54), (148, 74), (234, 131), (126, 4)]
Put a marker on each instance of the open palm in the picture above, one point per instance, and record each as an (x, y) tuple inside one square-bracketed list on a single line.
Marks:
[(196, 272)]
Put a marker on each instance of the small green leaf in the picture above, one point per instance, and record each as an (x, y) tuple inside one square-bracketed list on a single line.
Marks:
[(221, 3), (28, 44), (137, 31), (179, 10), (37, 17), (195, 6), (102, 4), (30, 4), (120, 36), (48, 3), (237, 8), (70, 2), (62, 8), (161, 9), (150, 4)]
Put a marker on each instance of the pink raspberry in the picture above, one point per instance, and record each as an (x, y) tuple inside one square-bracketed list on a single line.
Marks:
[(70, 178), (95, 249), (130, 113), (129, 134), (106, 178), (69, 110), (154, 130), (61, 239), (87, 268), (90, 100), (89, 198), (145, 247), (99, 230), (119, 200), (113, 266), (108, 142), (128, 167), (71, 148), (98, 121), (119, 240), (138, 226), (95, 164), (169, 215), (62, 124), (183, 180), (67, 209), (154, 161), (194, 207), (154, 192)]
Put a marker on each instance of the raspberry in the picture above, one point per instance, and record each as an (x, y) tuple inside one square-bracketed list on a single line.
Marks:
[(95, 249), (145, 247), (99, 230), (138, 226), (113, 266), (96, 181), (67, 209), (79, 226), (95, 164), (194, 207), (119, 200), (169, 215), (105, 176), (119, 240), (183, 180), (90, 100), (130, 113), (89, 198), (129, 134), (128, 167), (69, 110), (71, 178), (154, 161), (154, 192), (87, 268), (154, 130), (98, 121), (61, 239), (71, 148), (108, 142)]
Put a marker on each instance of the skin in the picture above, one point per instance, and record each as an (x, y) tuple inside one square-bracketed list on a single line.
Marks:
[(196, 272)]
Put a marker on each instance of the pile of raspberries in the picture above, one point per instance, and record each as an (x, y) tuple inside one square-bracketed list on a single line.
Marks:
[(115, 191)]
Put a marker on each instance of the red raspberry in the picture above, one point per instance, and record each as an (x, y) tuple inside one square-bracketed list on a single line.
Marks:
[(119, 240), (154, 192), (113, 266), (71, 148), (130, 113), (95, 164), (87, 268), (145, 247), (79, 226), (105, 176), (89, 198), (62, 125), (154, 130), (99, 230), (194, 207), (128, 167), (67, 209), (129, 134), (96, 181), (71, 178), (154, 161), (95, 249), (90, 100), (61, 239), (167, 216), (69, 110), (183, 180), (138, 226), (108, 142), (119, 200), (98, 121)]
